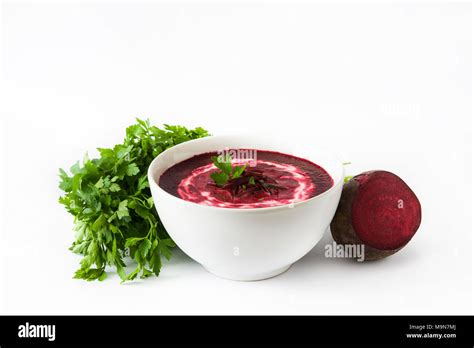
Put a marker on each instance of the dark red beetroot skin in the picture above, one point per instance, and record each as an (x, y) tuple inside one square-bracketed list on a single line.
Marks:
[(379, 210)]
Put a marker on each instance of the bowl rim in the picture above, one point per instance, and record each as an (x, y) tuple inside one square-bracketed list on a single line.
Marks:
[(264, 209)]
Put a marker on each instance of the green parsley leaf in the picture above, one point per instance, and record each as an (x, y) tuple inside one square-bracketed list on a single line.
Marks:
[(227, 171), (220, 178), (224, 165), (238, 171), (132, 169)]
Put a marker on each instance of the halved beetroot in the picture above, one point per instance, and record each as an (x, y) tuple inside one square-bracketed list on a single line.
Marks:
[(378, 210)]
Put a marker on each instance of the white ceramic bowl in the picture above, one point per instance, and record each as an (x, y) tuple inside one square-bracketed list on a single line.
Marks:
[(245, 244)]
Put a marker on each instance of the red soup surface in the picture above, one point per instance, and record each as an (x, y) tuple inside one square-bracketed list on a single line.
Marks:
[(278, 179)]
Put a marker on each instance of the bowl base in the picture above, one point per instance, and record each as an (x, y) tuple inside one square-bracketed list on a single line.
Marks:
[(247, 277)]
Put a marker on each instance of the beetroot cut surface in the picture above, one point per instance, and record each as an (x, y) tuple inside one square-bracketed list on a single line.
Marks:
[(385, 211)]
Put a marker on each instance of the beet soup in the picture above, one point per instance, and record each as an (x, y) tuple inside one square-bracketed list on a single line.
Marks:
[(269, 179)]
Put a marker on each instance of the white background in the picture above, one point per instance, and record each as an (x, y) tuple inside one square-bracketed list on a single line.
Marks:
[(387, 86)]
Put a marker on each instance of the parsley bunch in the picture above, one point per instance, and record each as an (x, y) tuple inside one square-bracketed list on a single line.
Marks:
[(112, 206)]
